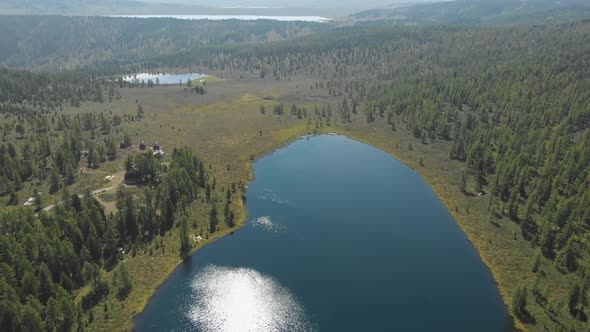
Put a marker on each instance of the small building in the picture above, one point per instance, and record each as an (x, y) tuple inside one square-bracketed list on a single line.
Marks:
[(159, 153), (123, 145), (142, 146), (132, 176), (30, 201), (156, 146)]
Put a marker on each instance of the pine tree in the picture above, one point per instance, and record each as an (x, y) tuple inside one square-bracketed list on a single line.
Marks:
[(122, 281), (185, 244), (213, 221), (574, 298), (519, 302), (463, 184)]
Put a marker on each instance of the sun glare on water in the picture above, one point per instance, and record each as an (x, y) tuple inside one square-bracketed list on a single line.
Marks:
[(242, 299), (266, 224)]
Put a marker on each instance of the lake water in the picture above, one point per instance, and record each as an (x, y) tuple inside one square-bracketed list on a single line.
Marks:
[(163, 78), (341, 237), (234, 17)]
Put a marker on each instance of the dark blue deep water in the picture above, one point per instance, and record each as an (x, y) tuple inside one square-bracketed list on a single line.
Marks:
[(341, 237)]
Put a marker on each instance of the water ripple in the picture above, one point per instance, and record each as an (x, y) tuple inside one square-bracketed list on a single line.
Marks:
[(268, 194), (266, 224), (243, 299)]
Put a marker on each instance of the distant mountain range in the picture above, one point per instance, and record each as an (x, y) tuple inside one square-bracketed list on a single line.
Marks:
[(364, 4), (329, 8), (408, 12), (87, 7), (480, 12)]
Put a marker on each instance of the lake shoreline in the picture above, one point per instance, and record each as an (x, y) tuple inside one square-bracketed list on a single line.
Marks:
[(242, 17), (441, 192), (243, 220)]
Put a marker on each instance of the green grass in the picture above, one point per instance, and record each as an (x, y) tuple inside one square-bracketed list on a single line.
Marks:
[(225, 128), (509, 257), (207, 80)]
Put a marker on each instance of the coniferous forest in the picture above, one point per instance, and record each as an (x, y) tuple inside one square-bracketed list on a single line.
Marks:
[(510, 105)]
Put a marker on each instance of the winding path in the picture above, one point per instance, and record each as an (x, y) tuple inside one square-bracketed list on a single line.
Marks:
[(117, 179)]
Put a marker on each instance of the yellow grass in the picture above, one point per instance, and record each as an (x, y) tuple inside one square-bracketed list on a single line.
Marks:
[(225, 127)]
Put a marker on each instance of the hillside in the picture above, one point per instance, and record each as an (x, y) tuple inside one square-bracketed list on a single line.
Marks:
[(55, 42), (180, 7), (496, 119), (91, 7), (480, 12)]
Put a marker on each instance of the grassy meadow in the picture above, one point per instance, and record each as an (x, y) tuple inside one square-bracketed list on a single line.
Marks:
[(227, 129)]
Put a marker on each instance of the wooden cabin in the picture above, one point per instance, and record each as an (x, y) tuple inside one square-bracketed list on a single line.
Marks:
[(132, 176)]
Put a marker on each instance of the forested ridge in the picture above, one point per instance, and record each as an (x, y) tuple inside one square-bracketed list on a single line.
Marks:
[(57, 42), (479, 12), (38, 91)]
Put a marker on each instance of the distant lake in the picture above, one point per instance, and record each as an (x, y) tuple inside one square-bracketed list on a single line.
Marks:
[(341, 237), (234, 17), (163, 78)]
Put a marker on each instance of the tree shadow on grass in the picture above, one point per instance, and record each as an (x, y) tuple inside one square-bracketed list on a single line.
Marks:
[(579, 315), (526, 317)]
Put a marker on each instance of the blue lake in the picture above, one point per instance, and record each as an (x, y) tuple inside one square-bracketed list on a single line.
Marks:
[(235, 17), (163, 78), (341, 237)]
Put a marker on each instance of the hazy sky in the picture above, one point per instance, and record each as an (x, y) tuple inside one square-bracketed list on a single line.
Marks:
[(294, 3)]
